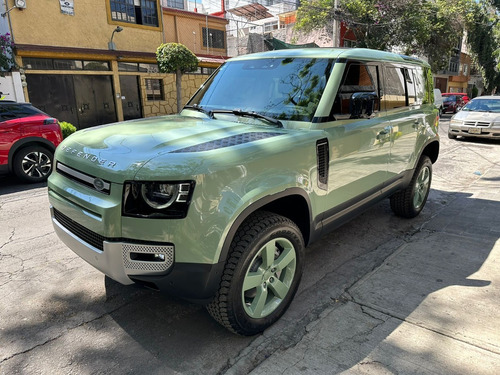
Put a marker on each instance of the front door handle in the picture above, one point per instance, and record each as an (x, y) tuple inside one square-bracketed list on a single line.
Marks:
[(384, 133)]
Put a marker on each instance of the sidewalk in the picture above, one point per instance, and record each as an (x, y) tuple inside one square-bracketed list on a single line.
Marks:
[(431, 307)]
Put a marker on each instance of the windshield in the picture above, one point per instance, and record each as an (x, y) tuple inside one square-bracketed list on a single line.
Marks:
[(281, 88), (483, 105), (450, 99)]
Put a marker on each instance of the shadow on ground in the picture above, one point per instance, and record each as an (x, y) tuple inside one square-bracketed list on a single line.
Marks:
[(131, 330)]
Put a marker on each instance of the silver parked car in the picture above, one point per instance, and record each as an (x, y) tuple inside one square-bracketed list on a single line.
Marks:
[(478, 118)]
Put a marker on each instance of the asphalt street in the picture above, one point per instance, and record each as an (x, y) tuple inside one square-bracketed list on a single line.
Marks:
[(380, 295)]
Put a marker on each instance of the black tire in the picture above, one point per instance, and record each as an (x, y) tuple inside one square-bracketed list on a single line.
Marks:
[(33, 164), (261, 233), (451, 136), (410, 201)]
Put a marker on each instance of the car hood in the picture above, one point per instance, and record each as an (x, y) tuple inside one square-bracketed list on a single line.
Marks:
[(118, 151), (477, 116)]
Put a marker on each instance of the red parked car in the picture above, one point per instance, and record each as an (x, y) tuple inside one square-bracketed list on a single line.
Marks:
[(463, 95), (452, 103), (28, 139)]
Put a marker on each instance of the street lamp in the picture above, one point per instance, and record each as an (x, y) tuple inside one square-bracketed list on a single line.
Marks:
[(111, 45)]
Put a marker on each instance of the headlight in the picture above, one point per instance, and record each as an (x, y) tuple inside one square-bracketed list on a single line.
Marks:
[(157, 199), (456, 122)]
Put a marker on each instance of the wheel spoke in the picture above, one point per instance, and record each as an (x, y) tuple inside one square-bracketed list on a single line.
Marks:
[(286, 257), (31, 158), (259, 302), (267, 254), (28, 168), (279, 288), (417, 199), (252, 280)]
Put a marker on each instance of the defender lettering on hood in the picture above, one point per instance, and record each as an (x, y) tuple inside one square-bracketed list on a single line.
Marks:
[(91, 157)]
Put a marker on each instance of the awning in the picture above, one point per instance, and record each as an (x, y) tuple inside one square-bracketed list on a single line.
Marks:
[(212, 60), (251, 12), (275, 44)]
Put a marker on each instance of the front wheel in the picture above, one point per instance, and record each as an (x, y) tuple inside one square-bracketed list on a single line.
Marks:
[(411, 200), (33, 164), (261, 275)]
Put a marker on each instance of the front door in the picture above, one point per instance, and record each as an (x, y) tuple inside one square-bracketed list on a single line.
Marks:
[(131, 100)]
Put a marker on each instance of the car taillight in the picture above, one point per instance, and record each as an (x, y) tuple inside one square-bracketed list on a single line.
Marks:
[(48, 121)]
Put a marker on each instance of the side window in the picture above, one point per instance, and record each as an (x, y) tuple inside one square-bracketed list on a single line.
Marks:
[(358, 94), (410, 85), (420, 85), (4, 114), (24, 110), (394, 94)]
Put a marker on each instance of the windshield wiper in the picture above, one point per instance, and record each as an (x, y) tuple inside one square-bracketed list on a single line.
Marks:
[(198, 108), (239, 112)]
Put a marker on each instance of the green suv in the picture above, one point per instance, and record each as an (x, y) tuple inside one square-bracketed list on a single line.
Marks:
[(217, 204)]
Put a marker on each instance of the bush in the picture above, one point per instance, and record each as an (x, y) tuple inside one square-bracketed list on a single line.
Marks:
[(67, 128)]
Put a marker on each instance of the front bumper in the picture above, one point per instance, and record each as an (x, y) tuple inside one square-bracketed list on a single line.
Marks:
[(491, 132), (119, 260), (149, 264)]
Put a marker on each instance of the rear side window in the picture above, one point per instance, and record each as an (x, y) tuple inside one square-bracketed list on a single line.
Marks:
[(404, 86), (361, 82), (394, 93), (13, 111)]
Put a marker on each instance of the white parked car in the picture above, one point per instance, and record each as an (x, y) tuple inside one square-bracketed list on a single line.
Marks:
[(478, 118), (438, 100)]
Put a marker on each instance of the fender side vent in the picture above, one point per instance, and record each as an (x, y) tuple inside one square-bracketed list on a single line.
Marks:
[(323, 157)]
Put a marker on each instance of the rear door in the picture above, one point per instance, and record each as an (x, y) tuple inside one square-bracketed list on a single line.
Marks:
[(404, 110)]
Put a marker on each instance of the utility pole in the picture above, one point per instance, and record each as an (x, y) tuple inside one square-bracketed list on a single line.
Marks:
[(335, 34)]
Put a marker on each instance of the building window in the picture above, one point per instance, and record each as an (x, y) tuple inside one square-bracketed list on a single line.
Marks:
[(465, 69), (59, 64), (270, 26), (203, 70), (178, 4), (349, 43), (454, 66), (216, 38), (154, 89), (140, 12)]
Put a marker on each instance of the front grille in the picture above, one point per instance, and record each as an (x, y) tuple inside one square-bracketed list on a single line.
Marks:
[(92, 238), (477, 123), (92, 182)]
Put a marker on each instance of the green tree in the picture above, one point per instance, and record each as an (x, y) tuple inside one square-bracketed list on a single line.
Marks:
[(429, 28), (7, 56), (483, 38), (176, 58)]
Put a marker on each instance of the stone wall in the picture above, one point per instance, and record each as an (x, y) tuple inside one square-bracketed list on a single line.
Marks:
[(190, 83)]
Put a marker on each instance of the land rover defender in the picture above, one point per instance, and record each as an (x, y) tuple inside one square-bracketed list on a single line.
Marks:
[(216, 204)]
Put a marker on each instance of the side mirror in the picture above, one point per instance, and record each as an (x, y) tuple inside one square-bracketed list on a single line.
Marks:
[(362, 104)]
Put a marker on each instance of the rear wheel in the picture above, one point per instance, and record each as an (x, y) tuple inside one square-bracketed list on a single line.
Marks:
[(261, 276), (33, 163), (410, 201)]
